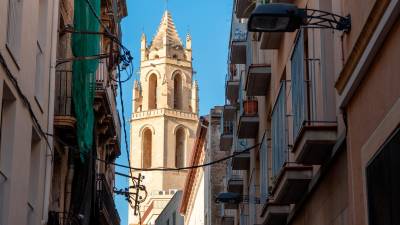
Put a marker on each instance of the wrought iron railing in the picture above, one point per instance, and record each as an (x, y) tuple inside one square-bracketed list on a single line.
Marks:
[(280, 149), (105, 200), (227, 127)]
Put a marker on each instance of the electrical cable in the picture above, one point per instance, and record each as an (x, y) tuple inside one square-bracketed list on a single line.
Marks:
[(25, 102), (163, 168), (123, 119)]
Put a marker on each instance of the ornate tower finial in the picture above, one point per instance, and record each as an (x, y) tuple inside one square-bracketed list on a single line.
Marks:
[(143, 48), (188, 41)]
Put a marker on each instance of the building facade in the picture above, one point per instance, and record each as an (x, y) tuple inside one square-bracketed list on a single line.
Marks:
[(193, 200), (46, 177), (170, 214), (216, 174), (316, 112), (78, 173), (28, 38), (164, 117)]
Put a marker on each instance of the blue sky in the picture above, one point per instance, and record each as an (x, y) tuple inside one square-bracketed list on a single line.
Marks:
[(208, 21)]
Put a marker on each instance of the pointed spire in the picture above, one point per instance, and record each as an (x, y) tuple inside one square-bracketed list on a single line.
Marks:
[(188, 41), (166, 34)]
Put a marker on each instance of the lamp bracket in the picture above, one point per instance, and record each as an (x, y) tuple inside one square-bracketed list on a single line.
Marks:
[(326, 20)]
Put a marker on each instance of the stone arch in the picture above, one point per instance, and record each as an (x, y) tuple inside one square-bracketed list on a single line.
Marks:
[(180, 147), (147, 148), (178, 91), (153, 131), (152, 91), (181, 73), (156, 72)]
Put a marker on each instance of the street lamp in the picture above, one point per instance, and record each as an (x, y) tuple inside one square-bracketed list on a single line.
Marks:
[(282, 17)]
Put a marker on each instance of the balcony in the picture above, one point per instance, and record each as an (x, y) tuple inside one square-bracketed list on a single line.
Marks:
[(249, 120), (231, 200), (232, 90), (271, 40), (238, 52), (105, 202), (228, 220), (229, 112), (244, 8), (275, 214), (226, 135), (314, 143), (314, 118), (235, 180), (241, 161), (64, 118), (292, 183), (238, 42), (258, 80), (107, 117)]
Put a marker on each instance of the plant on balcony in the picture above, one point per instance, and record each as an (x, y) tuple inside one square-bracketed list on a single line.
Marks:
[(250, 107)]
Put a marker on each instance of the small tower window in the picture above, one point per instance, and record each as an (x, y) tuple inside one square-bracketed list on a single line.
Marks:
[(156, 57), (152, 92), (175, 56), (177, 91), (147, 148), (180, 148)]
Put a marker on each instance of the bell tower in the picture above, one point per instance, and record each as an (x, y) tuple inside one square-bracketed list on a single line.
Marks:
[(164, 116)]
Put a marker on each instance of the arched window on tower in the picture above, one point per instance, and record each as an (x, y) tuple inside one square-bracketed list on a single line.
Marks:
[(180, 145), (177, 91), (147, 139), (153, 91)]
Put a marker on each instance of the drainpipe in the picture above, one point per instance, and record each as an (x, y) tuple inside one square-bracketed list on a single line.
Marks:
[(50, 110)]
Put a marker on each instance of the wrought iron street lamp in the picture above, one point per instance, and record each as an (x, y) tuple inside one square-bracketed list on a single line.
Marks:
[(282, 17)]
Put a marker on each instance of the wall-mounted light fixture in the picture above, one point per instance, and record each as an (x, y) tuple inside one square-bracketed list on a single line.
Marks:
[(282, 17)]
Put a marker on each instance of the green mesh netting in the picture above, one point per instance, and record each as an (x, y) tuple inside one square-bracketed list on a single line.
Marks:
[(84, 71)]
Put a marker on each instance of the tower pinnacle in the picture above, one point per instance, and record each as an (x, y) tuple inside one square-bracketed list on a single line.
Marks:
[(166, 34)]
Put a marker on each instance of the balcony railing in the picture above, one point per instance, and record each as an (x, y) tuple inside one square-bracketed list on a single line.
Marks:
[(314, 133), (244, 220), (238, 41), (279, 132), (105, 201), (249, 120), (227, 127)]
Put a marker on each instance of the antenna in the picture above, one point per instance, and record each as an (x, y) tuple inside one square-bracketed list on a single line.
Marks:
[(166, 4)]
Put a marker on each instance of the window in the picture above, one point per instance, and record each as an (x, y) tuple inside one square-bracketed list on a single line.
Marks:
[(7, 126), (39, 75), (147, 148), (41, 41), (383, 184), (180, 148), (177, 91), (33, 184), (7, 123), (14, 21), (279, 142), (153, 91)]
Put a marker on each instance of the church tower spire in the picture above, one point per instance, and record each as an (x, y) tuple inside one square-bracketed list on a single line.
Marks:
[(165, 115)]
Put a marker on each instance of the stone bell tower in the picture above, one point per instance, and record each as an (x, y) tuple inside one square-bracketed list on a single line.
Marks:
[(164, 116)]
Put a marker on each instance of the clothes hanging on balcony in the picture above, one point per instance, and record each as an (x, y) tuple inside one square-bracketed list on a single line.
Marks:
[(83, 81)]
